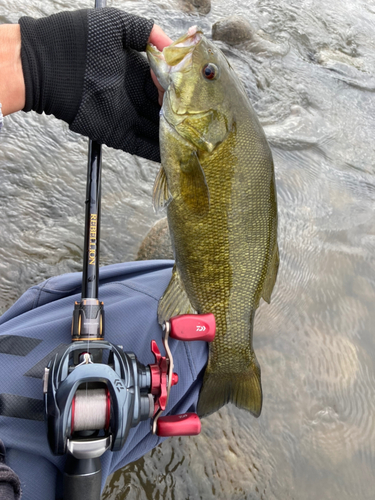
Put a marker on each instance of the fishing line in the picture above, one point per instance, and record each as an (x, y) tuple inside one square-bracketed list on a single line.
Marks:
[(90, 411)]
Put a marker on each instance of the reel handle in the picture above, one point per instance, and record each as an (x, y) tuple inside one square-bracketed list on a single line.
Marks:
[(186, 327)]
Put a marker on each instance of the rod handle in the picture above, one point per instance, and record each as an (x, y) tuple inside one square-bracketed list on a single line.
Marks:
[(82, 478)]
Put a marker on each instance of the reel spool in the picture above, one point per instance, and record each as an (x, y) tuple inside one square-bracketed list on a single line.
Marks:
[(91, 410)]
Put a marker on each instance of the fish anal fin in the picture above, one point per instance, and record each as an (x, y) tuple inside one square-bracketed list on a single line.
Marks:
[(174, 300), (160, 196), (193, 186), (270, 280), (242, 389)]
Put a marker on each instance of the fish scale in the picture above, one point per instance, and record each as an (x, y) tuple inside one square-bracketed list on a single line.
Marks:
[(218, 182)]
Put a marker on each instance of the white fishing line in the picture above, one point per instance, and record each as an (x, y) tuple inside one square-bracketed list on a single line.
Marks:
[(90, 409)]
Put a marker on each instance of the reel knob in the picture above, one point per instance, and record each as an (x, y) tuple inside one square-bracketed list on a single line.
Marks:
[(187, 424), (190, 327)]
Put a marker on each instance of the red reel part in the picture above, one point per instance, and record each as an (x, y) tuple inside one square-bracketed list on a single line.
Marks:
[(187, 424), (190, 327), (187, 327)]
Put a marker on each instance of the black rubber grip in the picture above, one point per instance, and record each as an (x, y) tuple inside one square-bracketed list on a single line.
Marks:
[(82, 478)]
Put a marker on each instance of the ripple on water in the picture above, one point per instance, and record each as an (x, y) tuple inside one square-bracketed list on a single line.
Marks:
[(217, 464)]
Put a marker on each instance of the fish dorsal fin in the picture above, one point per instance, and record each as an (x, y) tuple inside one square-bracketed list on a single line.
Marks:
[(174, 300), (205, 130), (270, 280), (193, 186), (160, 196)]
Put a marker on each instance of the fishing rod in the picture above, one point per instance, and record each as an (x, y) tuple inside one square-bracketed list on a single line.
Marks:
[(94, 392)]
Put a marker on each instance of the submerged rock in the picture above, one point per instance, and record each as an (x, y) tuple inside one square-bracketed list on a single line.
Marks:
[(328, 57), (233, 30), (196, 6), (189, 6), (236, 30), (157, 243)]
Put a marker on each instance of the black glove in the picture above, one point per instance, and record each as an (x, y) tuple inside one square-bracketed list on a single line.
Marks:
[(84, 67), (10, 488)]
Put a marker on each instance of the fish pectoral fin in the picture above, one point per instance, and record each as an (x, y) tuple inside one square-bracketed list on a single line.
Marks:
[(174, 300), (161, 196), (193, 186), (270, 280), (205, 130)]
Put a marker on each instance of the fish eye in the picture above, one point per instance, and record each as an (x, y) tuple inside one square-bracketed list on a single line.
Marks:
[(210, 71)]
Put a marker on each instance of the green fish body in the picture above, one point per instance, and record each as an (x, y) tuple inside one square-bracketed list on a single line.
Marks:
[(217, 181)]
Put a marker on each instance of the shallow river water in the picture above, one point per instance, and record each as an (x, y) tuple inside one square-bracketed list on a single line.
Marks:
[(310, 75)]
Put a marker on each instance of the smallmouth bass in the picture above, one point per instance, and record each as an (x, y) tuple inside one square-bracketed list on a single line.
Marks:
[(217, 182)]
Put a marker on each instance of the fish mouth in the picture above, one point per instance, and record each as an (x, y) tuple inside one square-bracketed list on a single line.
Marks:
[(174, 58)]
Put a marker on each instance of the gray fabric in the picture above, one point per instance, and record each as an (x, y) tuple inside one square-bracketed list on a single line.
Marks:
[(130, 292), (1, 117)]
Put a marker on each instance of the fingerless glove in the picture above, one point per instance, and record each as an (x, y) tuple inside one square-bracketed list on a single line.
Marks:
[(84, 67), (10, 488)]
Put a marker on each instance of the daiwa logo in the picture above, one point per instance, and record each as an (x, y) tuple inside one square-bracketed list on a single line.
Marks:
[(119, 385)]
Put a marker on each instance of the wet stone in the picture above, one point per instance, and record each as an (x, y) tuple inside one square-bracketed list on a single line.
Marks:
[(233, 30), (195, 6), (157, 243)]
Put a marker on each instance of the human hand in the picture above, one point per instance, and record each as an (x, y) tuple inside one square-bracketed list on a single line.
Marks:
[(8, 478), (160, 40), (85, 68), (12, 86)]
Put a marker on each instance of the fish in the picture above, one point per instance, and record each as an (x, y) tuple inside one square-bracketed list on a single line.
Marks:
[(217, 184)]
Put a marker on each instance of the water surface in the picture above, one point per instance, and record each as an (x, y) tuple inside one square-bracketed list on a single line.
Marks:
[(311, 79)]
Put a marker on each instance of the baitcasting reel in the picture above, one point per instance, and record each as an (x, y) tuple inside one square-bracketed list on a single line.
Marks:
[(95, 392)]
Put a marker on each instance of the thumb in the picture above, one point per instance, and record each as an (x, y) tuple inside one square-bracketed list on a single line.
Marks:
[(159, 38)]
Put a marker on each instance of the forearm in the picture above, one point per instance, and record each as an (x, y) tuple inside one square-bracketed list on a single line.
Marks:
[(12, 86)]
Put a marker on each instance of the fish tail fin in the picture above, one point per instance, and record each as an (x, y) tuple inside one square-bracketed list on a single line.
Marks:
[(242, 389)]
